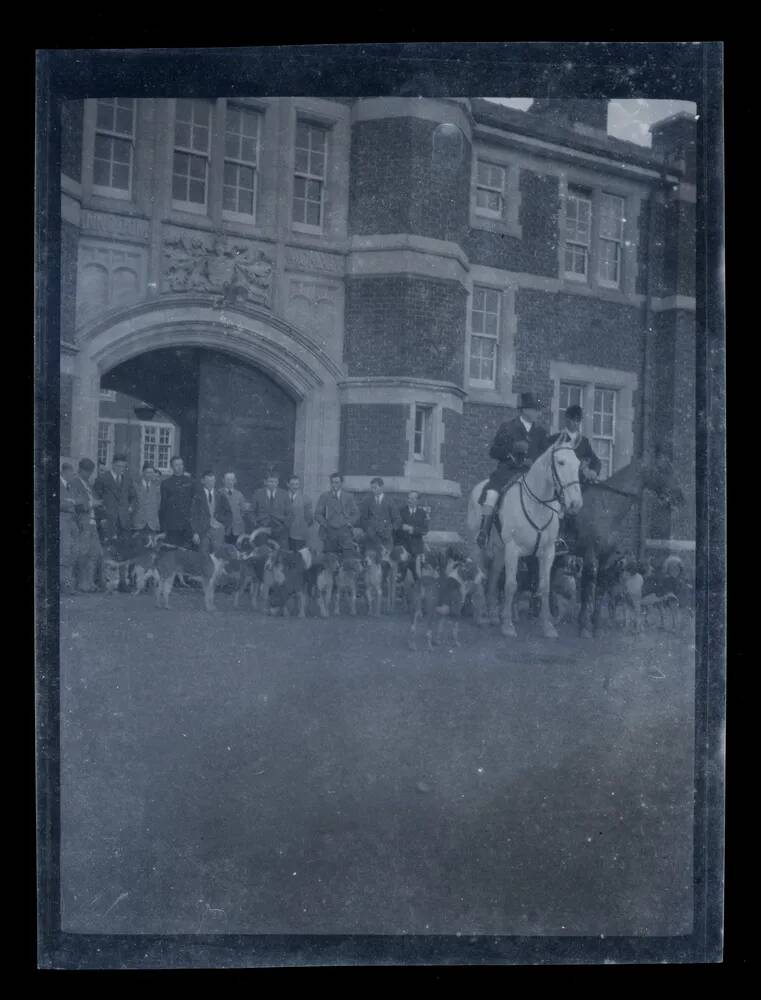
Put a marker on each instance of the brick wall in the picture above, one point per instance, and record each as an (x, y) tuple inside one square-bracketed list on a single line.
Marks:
[(575, 329), (537, 250), (673, 258), (373, 439), (400, 184), (69, 250), (72, 117), (400, 325)]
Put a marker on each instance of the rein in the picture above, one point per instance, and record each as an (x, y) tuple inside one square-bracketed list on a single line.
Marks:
[(557, 497)]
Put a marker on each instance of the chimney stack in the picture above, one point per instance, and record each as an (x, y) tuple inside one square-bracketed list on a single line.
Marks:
[(588, 117), (674, 140)]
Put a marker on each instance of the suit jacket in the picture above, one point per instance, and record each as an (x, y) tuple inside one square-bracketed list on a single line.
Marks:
[(270, 515), (332, 512), (201, 514), (229, 511), (413, 541), (82, 495), (147, 504), (509, 434), (67, 503), (378, 519), (176, 498), (302, 516), (118, 500), (584, 452)]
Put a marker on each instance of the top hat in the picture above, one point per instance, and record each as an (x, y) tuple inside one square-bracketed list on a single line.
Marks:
[(528, 401)]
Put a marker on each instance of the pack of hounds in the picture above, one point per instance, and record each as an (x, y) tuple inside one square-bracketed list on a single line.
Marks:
[(443, 585)]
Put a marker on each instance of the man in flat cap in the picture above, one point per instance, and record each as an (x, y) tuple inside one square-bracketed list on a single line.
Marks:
[(517, 445)]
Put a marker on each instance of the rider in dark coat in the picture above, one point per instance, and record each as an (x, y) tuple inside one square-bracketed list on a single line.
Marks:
[(589, 465), (517, 445)]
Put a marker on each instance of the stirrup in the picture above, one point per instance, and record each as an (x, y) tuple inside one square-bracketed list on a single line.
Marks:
[(561, 547)]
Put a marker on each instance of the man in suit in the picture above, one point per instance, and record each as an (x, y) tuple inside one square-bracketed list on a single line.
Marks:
[(208, 532), (147, 501), (302, 517), (414, 526), (378, 517), (589, 463), (89, 551), (271, 508), (116, 489), (337, 513), (589, 468), (174, 509), (517, 445), (231, 506), (69, 532)]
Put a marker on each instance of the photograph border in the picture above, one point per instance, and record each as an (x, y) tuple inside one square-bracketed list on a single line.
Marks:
[(663, 70)]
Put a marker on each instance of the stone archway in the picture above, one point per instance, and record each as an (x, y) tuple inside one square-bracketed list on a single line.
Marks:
[(288, 356)]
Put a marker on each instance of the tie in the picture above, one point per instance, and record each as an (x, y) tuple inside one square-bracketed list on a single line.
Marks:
[(147, 487), (272, 498), (377, 501), (208, 494), (293, 497)]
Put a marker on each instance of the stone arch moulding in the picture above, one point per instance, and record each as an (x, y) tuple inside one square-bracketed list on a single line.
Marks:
[(277, 348)]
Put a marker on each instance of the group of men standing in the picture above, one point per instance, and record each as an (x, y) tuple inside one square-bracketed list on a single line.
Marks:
[(108, 510)]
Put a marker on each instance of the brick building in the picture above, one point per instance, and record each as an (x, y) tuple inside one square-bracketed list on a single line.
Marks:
[(368, 284)]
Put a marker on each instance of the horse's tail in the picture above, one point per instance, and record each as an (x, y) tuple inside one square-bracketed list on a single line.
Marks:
[(473, 519)]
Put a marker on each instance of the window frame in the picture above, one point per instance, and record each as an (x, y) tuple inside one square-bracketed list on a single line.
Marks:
[(192, 206), (109, 440), (587, 390), (618, 243), (229, 214), (158, 426), (425, 456), (496, 338), (486, 213), (106, 190), (610, 439), (579, 195), (305, 227)]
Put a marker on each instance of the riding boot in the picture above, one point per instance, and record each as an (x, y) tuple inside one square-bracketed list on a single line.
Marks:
[(486, 522)]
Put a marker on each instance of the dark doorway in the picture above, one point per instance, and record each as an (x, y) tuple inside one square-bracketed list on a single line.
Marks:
[(232, 416)]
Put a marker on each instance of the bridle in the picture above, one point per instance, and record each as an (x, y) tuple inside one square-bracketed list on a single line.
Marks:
[(558, 496)]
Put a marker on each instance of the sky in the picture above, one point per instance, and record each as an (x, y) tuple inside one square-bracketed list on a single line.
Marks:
[(628, 119)]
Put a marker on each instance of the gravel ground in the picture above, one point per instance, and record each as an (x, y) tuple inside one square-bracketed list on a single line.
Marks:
[(231, 773)]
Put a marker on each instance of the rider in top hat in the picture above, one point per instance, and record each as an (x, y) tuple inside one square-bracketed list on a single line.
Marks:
[(589, 466), (517, 445), (589, 463)]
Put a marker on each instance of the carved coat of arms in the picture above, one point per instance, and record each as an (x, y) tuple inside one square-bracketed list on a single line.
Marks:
[(231, 269)]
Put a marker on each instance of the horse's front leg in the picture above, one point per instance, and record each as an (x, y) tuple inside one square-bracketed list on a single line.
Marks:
[(588, 594), (546, 558), (492, 593), (511, 584)]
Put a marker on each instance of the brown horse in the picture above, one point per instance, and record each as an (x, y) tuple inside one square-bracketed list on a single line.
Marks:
[(599, 523)]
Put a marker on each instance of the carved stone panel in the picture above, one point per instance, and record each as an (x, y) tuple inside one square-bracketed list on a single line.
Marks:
[(315, 308), (300, 259), (231, 268), (108, 276)]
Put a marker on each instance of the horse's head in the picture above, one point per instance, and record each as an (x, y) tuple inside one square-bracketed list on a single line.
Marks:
[(658, 475), (564, 466)]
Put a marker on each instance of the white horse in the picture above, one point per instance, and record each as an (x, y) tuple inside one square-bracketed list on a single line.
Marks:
[(529, 517)]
